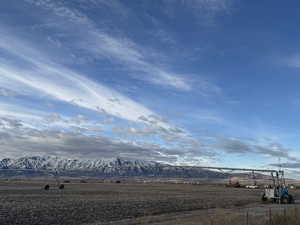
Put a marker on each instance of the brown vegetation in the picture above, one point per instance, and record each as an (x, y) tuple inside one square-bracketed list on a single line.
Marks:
[(122, 203)]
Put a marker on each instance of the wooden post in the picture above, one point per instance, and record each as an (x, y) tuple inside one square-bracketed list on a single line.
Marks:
[(247, 218), (270, 216)]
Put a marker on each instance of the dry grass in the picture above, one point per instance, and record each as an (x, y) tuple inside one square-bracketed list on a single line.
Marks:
[(110, 203), (278, 217), (269, 216)]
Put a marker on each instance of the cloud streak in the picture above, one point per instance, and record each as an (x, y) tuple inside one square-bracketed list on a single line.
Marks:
[(116, 47), (7, 93), (51, 80), (240, 146), (205, 11), (134, 57), (290, 165)]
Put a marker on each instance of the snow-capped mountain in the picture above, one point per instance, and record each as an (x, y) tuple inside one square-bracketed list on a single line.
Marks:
[(38, 165), (52, 163)]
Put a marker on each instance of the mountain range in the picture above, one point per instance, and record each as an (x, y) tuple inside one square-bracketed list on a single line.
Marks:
[(40, 166)]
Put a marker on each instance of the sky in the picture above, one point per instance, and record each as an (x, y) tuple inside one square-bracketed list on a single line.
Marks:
[(190, 82)]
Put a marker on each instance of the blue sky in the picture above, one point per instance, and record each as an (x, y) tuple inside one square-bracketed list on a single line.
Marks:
[(206, 82)]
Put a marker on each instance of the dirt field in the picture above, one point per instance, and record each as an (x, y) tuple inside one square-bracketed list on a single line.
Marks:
[(126, 203)]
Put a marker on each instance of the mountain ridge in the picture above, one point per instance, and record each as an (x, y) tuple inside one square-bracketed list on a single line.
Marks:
[(118, 167)]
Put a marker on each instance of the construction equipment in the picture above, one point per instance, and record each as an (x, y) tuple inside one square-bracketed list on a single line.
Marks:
[(277, 192), (233, 183)]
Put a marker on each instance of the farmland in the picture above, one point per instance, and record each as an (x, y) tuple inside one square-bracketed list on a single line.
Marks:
[(25, 202)]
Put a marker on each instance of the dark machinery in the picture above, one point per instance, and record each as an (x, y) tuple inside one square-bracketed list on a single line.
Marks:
[(276, 192), (58, 185)]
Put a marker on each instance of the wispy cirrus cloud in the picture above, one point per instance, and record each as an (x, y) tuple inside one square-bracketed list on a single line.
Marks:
[(94, 96), (127, 53), (43, 120), (288, 165), (50, 80), (121, 50), (213, 6), (59, 9), (6, 92), (205, 11), (20, 112), (293, 61)]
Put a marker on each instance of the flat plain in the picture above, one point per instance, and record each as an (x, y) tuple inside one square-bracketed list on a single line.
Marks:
[(26, 202)]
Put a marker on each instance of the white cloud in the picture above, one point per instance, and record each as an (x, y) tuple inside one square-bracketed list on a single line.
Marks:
[(205, 11), (6, 92), (51, 80), (79, 119), (53, 117), (208, 117), (293, 61), (20, 112), (119, 49), (134, 57), (41, 120), (214, 6), (168, 79), (60, 10), (244, 146), (17, 139)]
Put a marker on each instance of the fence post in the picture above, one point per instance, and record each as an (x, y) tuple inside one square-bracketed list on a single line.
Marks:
[(270, 216), (247, 218)]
